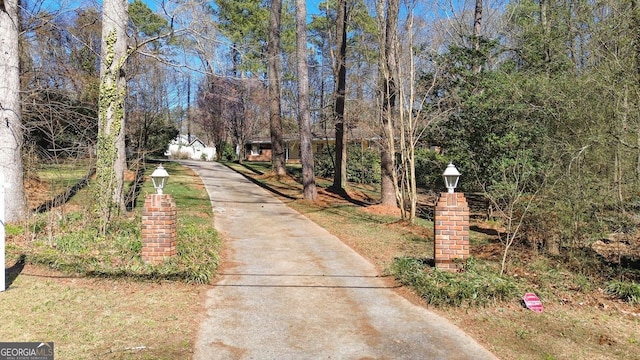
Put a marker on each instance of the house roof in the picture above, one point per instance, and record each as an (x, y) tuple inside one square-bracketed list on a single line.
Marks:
[(322, 134), (184, 140)]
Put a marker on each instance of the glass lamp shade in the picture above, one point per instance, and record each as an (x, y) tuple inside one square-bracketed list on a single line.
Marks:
[(451, 176), (159, 178)]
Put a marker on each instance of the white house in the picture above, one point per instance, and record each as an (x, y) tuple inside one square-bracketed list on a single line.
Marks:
[(196, 149)]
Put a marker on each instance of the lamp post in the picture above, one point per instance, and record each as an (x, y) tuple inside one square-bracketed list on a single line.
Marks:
[(451, 224), (451, 176), (159, 177), (159, 221)]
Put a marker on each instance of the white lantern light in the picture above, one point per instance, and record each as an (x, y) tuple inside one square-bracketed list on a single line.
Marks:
[(451, 176), (159, 178)]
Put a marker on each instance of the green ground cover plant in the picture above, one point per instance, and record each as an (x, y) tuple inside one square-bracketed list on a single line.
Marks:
[(68, 239), (477, 285), (625, 290)]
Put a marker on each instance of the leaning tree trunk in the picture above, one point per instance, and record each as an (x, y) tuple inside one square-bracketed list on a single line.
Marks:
[(278, 159), (304, 117), (111, 157), (10, 114)]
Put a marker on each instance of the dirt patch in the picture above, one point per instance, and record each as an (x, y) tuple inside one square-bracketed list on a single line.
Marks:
[(618, 247), (37, 191), (129, 175), (382, 210)]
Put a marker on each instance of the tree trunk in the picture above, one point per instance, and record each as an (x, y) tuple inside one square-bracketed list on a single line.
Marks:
[(111, 156), (278, 161), (304, 117), (389, 94), (477, 29), (10, 113), (340, 174), (635, 28), (546, 28)]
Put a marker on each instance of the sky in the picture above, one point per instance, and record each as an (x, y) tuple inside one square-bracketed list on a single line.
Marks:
[(312, 5)]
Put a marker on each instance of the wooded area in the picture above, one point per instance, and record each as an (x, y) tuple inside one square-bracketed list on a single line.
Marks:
[(537, 102)]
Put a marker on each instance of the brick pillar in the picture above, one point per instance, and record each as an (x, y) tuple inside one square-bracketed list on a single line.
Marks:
[(451, 230), (159, 228)]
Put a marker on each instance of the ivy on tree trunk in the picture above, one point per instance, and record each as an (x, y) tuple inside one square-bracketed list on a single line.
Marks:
[(111, 157)]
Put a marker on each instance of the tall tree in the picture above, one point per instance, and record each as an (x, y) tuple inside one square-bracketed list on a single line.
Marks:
[(10, 115), (340, 174), (304, 118), (243, 23), (249, 111), (231, 108), (111, 155), (209, 116), (417, 113), (388, 12), (278, 158)]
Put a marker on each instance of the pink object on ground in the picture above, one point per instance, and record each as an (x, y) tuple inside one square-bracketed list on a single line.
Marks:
[(532, 302)]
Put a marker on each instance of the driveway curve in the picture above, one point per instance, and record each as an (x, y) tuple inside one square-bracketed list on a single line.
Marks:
[(290, 290)]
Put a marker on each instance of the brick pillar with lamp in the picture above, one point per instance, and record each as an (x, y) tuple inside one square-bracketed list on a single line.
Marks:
[(159, 222), (451, 225)]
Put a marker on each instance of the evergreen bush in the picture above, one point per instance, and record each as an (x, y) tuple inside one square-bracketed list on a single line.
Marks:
[(363, 165)]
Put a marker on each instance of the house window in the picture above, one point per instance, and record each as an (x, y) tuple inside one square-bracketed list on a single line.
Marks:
[(255, 150)]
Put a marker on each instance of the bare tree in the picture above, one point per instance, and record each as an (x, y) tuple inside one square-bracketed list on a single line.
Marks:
[(211, 106), (232, 109), (249, 111), (304, 121), (10, 115), (513, 197), (59, 78)]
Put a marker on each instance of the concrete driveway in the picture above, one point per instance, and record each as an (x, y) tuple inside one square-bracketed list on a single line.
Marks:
[(290, 290)]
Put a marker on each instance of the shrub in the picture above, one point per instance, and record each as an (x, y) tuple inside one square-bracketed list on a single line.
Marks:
[(227, 152), (429, 168), (13, 230), (627, 291), (323, 162), (182, 155), (473, 287), (363, 165)]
